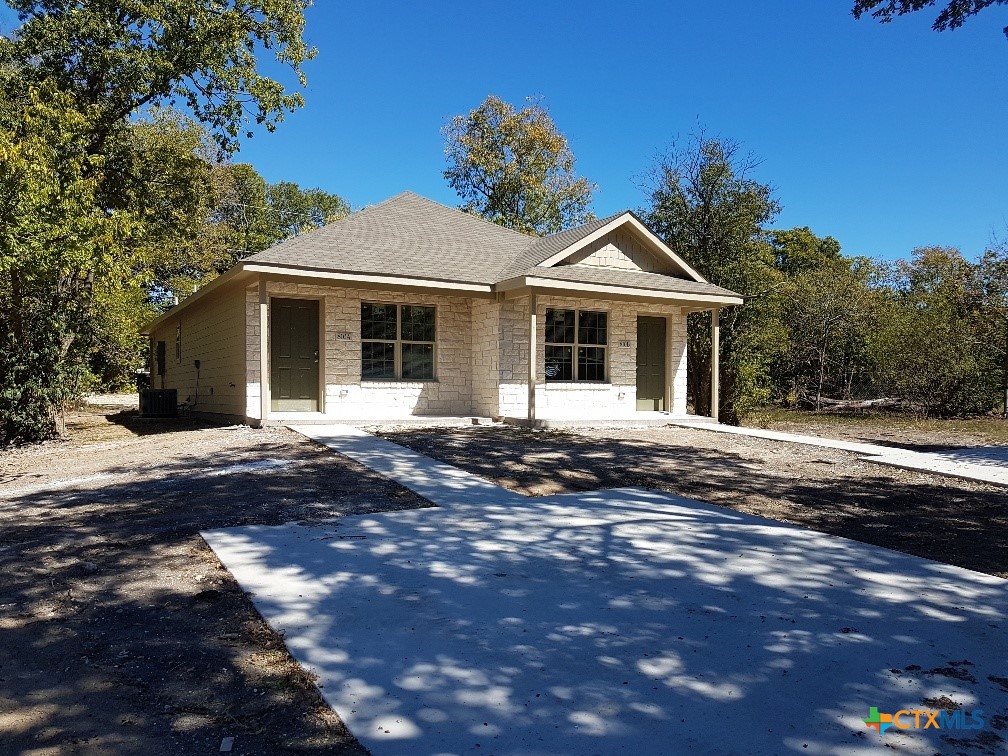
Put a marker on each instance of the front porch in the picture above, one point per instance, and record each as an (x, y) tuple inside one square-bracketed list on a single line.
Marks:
[(536, 357)]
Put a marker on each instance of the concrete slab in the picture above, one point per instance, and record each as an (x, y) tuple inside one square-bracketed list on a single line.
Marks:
[(623, 621), (615, 621), (439, 483), (985, 464)]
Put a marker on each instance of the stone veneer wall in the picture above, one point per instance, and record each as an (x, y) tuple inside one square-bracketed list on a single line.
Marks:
[(486, 356), (482, 358), (586, 400), (345, 395)]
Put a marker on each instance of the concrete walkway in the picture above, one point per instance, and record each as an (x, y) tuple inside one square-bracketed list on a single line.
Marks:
[(615, 621), (986, 464)]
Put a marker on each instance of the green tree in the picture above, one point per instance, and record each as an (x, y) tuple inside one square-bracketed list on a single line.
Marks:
[(927, 345), (992, 282), (515, 168), (828, 310), (293, 210), (89, 218), (120, 56), (952, 16), (54, 241), (706, 206), (798, 249)]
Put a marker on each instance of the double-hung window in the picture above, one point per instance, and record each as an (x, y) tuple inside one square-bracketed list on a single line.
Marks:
[(397, 342), (576, 342)]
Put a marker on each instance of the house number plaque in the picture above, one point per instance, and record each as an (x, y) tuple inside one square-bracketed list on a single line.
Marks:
[(625, 344), (343, 336)]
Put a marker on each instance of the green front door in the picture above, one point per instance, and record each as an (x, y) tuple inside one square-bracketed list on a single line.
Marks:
[(650, 364), (294, 355)]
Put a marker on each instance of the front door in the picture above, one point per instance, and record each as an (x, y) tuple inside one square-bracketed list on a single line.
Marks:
[(650, 364), (294, 355)]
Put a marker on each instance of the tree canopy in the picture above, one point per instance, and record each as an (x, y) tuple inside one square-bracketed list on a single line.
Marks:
[(106, 189), (119, 57), (952, 16), (707, 207), (515, 168)]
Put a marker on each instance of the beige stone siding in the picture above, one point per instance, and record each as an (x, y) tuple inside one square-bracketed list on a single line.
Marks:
[(344, 395), (619, 249), (211, 332), (486, 356), (618, 395), (481, 357)]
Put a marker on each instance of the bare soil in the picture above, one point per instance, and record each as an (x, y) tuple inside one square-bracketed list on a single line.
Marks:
[(946, 519), (121, 631)]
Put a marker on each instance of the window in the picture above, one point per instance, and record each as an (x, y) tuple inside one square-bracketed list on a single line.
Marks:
[(576, 345), (397, 342)]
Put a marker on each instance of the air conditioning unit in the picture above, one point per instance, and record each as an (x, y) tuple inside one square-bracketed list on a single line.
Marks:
[(159, 403)]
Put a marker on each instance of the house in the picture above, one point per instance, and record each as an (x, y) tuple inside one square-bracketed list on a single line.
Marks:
[(410, 307)]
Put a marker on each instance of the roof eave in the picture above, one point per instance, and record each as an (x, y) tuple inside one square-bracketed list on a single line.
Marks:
[(689, 299), (377, 279), (234, 274)]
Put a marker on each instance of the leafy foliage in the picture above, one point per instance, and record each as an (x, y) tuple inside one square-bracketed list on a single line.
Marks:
[(705, 205), (54, 240), (952, 16), (119, 57), (927, 342), (515, 168), (104, 191)]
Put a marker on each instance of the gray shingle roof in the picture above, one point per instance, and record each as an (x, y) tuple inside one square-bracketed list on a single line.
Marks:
[(636, 279), (406, 235), (411, 236)]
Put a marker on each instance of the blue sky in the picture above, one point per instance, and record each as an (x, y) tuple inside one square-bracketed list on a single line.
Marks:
[(887, 137)]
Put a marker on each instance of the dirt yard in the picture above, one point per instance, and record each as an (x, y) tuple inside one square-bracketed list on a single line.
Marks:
[(946, 519), (121, 632), (919, 434)]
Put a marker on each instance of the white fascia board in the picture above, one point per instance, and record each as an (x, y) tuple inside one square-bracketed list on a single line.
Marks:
[(626, 218), (368, 278), (715, 300)]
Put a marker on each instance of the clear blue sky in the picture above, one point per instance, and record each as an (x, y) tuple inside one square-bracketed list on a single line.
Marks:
[(887, 137)]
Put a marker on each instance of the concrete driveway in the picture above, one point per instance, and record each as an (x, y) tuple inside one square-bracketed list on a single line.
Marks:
[(620, 621)]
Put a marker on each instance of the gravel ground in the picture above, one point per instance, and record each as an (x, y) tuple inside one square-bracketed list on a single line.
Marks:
[(121, 631), (946, 519)]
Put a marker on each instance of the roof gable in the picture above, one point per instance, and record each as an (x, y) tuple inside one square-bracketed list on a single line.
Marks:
[(636, 234)]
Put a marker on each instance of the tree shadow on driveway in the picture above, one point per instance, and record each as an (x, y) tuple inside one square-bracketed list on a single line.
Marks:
[(621, 621), (941, 518)]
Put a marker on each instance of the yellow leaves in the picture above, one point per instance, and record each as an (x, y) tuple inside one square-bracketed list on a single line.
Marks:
[(515, 168)]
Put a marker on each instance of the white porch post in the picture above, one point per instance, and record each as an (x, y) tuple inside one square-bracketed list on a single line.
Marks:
[(715, 389), (264, 360), (532, 371)]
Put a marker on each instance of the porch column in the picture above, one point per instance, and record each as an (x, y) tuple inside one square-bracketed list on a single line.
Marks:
[(264, 358), (715, 360), (533, 353)]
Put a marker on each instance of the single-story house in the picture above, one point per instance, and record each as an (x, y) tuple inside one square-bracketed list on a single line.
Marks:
[(410, 307)]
